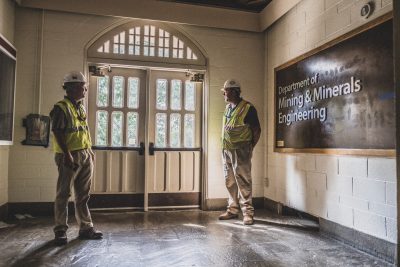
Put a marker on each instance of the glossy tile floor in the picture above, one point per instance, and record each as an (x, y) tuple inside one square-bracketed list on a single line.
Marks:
[(178, 238)]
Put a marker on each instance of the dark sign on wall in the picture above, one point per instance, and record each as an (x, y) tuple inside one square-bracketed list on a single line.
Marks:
[(7, 91), (339, 98)]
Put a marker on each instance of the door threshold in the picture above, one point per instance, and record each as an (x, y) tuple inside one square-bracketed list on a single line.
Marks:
[(174, 207), (118, 209)]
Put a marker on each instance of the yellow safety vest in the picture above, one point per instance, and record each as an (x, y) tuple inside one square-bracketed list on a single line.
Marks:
[(77, 134), (234, 131)]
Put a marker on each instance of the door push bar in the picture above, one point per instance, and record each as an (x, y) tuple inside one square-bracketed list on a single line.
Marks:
[(152, 149), (139, 148)]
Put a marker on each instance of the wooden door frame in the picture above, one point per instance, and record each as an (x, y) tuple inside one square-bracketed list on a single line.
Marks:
[(204, 123)]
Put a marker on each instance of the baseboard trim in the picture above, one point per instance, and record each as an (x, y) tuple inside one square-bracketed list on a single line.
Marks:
[(35, 208), (279, 208), (372, 245), (110, 202), (107, 201), (215, 204), (174, 199), (4, 212), (273, 206)]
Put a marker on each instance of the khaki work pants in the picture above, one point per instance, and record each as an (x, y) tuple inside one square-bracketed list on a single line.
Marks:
[(237, 171), (80, 179)]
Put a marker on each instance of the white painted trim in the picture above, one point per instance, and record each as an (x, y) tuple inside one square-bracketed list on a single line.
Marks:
[(6, 143), (8, 42)]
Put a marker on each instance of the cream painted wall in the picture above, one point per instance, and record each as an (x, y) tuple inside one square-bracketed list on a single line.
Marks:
[(32, 171), (7, 13), (4, 154), (239, 55), (357, 192), (32, 174)]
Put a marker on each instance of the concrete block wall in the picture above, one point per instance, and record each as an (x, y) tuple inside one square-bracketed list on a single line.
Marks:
[(7, 19), (32, 170), (32, 174), (239, 55), (354, 191), (7, 28), (4, 152)]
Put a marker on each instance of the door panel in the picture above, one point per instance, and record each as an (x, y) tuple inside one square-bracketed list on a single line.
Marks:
[(118, 172), (134, 168), (174, 166), (190, 167), (174, 169), (118, 169)]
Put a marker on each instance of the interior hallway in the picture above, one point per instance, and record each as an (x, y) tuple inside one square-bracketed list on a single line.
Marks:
[(179, 238)]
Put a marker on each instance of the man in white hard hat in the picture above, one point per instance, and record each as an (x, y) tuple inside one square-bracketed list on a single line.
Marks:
[(74, 158), (240, 133)]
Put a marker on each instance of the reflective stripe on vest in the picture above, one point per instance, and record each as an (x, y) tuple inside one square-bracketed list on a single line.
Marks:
[(234, 130), (77, 134)]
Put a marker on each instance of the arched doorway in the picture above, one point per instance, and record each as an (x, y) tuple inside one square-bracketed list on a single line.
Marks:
[(145, 115)]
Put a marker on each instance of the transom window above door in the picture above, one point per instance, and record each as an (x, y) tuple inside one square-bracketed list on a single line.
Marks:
[(146, 98), (147, 41)]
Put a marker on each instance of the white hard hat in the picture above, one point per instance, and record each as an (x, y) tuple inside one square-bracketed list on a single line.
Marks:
[(231, 83), (74, 77)]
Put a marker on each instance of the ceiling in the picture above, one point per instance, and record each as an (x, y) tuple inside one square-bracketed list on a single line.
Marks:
[(243, 5), (245, 15)]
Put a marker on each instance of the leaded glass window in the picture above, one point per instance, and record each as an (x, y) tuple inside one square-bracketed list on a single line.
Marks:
[(133, 92), (161, 130), (118, 125), (132, 128), (102, 91), (134, 41), (189, 130), (175, 130), (190, 96), (149, 40), (175, 126), (119, 43), (101, 128), (117, 118), (162, 94), (163, 43), (177, 50), (105, 48), (176, 88), (190, 54), (118, 91), (145, 40)]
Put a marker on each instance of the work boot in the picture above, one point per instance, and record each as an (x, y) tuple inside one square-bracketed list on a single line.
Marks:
[(227, 216), (90, 233), (248, 220), (60, 238)]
